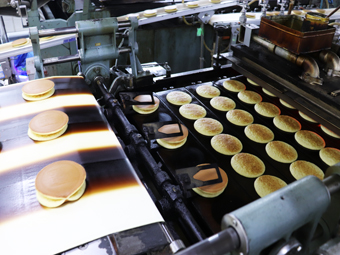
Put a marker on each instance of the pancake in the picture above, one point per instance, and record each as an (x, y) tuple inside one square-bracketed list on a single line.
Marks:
[(48, 125), (59, 182), (287, 123), (178, 98), (302, 168), (223, 104), (268, 93), (226, 144), (281, 152), (266, 184), (330, 156), (296, 12), (310, 140), (207, 91), (145, 109), (240, 117), (234, 85), (249, 97), (259, 133), (247, 165), (20, 42), (192, 111), (267, 109), (284, 103), (150, 13), (213, 190), (172, 142), (170, 9), (208, 126), (37, 90), (215, 1), (329, 132), (306, 117), (192, 4), (252, 82)]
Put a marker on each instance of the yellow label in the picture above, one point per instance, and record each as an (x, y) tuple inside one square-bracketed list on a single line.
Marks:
[(98, 44)]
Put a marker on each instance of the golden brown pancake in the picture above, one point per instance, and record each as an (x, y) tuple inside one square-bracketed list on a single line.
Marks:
[(211, 190), (20, 42), (247, 165), (284, 103), (223, 104), (266, 184), (48, 125), (192, 111), (207, 91), (170, 9), (37, 90), (226, 144), (178, 98), (249, 97), (240, 117), (268, 92), (296, 12), (208, 126), (234, 85), (267, 109), (149, 13), (306, 117), (59, 182), (145, 109), (287, 123), (310, 140), (259, 133), (329, 132), (302, 168), (281, 152), (172, 142), (330, 156), (252, 82)]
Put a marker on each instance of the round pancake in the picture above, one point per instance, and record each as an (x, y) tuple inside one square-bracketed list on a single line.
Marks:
[(249, 97), (234, 85), (268, 93), (247, 165), (304, 116), (208, 126), (310, 140), (149, 13), (284, 103), (38, 90), (287, 123), (171, 8), (259, 133), (215, 1), (145, 109), (252, 82), (330, 156), (223, 104), (281, 152), (207, 91), (20, 42), (192, 4), (173, 142), (240, 117), (302, 168), (178, 98), (267, 109), (329, 132), (226, 144), (192, 111), (211, 190), (266, 184)]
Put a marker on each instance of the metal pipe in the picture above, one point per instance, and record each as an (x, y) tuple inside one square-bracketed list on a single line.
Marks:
[(124, 50), (270, 46), (332, 183), (122, 24), (332, 60), (58, 31), (60, 60), (309, 66)]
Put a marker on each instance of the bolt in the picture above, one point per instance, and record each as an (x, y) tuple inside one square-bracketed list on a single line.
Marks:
[(235, 223), (299, 248), (139, 135), (174, 189)]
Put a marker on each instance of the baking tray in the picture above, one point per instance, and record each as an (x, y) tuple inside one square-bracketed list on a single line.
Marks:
[(240, 190), (114, 199)]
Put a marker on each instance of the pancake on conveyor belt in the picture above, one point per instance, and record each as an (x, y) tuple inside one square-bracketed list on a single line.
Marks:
[(252, 82), (20, 42), (59, 182), (266, 184), (249, 97), (330, 156), (267, 109), (223, 104), (172, 142), (178, 98), (234, 85), (48, 125), (302, 168), (287, 123), (208, 91), (268, 92), (213, 190), (192, 111), (170, 8), (247, 165), (259, 133), (145, 109), (306, 117), (226, 144), (329, 132), (281, 152), (38, 90), (240, 117), (284, 103), (310, 140), (208, 126), (150, 13)]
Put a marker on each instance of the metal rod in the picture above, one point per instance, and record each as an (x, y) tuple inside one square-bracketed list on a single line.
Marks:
[(334, 11), (57, 31), (60, 60), (124, 23), (124, 50), (332, 183)]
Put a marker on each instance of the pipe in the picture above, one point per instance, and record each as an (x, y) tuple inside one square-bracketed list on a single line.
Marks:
[(332, 183), (309, 66), (60, 60), (331, 59), (57, 31)]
